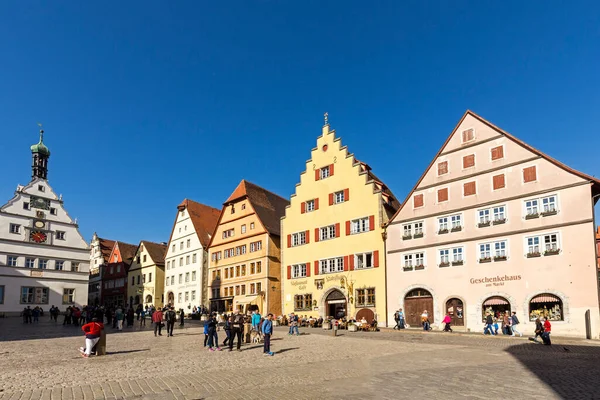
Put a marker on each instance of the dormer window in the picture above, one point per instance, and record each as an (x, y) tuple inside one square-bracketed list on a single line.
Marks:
[(468, 135), (41, 188)]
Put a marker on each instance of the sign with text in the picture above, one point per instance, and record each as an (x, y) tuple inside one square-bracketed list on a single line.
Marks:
[(495, 280)]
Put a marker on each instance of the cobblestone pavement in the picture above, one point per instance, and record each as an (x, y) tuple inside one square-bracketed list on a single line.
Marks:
[(42, 362)]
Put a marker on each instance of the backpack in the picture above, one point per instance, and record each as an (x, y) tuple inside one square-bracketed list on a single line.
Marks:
[(515, 320)]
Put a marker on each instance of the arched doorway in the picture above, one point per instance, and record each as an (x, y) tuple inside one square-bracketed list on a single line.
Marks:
[(149, 299), (496, 306), (455, 308), (366, 313), (335, 304), (137, 299), (415, 302), (171, 298)]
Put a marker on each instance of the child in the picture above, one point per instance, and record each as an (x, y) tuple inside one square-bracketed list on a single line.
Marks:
[(205, 332)]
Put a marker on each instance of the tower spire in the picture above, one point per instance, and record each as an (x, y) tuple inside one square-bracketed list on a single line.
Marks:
[(40, 154)]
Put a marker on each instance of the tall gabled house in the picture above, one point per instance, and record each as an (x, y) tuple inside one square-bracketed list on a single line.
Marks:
[(146, 275), (114, 274)]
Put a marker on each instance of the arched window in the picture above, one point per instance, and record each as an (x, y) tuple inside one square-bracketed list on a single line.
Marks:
[(418, 293), (546, 305), (149, 299), (496, 306)]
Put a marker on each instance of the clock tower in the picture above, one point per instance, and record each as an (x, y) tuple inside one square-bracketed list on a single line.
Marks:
[(40, 155)]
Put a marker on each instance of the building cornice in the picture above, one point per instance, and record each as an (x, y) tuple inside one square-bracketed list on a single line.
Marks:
[(239, 239), (37, 255), (45, 246)]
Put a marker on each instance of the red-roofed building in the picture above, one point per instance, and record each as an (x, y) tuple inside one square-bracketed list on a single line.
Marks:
[(114, 274)]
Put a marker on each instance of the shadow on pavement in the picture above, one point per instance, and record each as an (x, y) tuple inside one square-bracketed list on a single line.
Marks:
[(288, 349), (109, 353), (570, 370)]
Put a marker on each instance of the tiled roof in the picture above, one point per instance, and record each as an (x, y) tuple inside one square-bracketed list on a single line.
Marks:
[(269, 207), (393, 202), (106, 246), (598, 234), (204, 218), (156, 251), (127, 251)]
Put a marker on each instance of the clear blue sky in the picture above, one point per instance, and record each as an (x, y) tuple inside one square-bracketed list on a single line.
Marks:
[(146, 103)]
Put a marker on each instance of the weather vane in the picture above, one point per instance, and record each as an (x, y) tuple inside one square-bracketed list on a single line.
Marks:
[(41, 131), (326, 115)]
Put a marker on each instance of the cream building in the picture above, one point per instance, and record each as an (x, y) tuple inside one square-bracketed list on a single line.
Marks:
[(333, 255), (245, 266), (100, 250), (186, 262), (146, 275), (44, 260), (495, 225)]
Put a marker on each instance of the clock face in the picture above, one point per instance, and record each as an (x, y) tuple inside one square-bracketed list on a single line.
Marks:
[(39, 224), (38, 237)]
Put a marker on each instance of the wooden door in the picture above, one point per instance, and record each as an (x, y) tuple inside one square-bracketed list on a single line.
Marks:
[(455, 308), (414, 307)]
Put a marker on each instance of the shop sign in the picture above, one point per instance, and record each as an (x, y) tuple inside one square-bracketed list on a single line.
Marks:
[(495, 280), (301, 284), (37, 274), (335, 277)]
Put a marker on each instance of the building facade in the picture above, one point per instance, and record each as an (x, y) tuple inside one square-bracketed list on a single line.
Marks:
[(44, 260), (100, 250), (114, 274), (495, 225), (186, 265), (146, 275), (245, 252), (334, 248)]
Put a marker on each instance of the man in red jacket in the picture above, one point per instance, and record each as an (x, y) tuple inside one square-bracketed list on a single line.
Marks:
[(93, 330), (157, 318), (547, 330)]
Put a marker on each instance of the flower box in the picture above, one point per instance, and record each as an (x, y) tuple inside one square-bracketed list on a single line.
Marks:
[(499, 258), (499, 221), (442, 231), (419, 267), (444, 264), (532, 216), (406, 237), (483, 224), (417, 235), (533, 255), (485, 260), (548, 213), (456, 229), (408, 268), (457, 262), (551, 252)]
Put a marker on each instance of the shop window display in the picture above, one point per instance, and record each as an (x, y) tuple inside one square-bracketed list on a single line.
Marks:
[(546, 305), (497, 306)]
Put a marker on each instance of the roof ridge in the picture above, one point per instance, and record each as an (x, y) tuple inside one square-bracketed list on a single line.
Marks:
[(266, 190)]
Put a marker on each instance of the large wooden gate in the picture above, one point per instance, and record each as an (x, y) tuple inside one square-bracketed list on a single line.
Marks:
[(415, 302)]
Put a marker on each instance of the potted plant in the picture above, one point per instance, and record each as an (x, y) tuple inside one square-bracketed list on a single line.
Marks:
[(485, 260), (420, 266), (458, 262), (533, 254), (406, 237), (418, 235), (532, 215), (442, 231), (457, 228), (499, 221), (551, 252), (326, 324), (499, 258), (408, 268), (444, 264), (548, 213), (483, 224), (352, 327)]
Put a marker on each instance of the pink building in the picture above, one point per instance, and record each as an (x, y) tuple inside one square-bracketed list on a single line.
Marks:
[(495, 225)]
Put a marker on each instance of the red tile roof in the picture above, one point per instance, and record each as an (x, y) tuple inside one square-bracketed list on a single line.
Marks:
[(204, 218), (156, 251), (127, 251), (106, 246)]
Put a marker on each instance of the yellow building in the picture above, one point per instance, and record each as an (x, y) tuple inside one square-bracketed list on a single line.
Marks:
[(333, 251), (146, 275), (245, 268)]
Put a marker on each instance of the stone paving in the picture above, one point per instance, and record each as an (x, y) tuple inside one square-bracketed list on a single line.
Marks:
[(42, 362)]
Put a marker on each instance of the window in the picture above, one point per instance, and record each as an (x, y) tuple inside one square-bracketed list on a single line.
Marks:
[(173, 249), (407, 231), (188, 243), (418, 229), (194, 258), (34, 295), (363, 260), (52, 210), (484, 217), (172, 279), (469, 161), (74, 266), (443, 225), (499, 182), (442, 168), (365, 297), (168, 264), (180, 279), (2, 294), (533, 246), (226, 273), (359, 225), (500, 250), (529, 174), (180, 296), (166, 281), (138, 279), (187, 260), (444, 257), (468, 135), (193, 276), (187, 296), (332, 265), (457, 256), (258, 287), (497, 153), (68, 296), (251, 225), (144, 258), (548, 205), (258, 267), (26, 206), (485, 253), (546, 305), (133, 281), (228, 233), (237, 290), (181, 245), (59, 265), (256, 246), (187, 277), (181, 261), (252, 288), (144, 278), (150, 277), (12, 261), (550, 241), (310, 206), (499, 214), (469, 189), (303, 302), (14, 228), (418, 201), (419, 260), (243, 229), (338, 197), (299, 271), (193, 295), (243, 269), (409, 260), (531, 208), (42, 264), (41, 188), (442, 195), (60, 235), (237, 270), (327, 232), (324, 172), (243, 206), (456, 222), (29, 262)]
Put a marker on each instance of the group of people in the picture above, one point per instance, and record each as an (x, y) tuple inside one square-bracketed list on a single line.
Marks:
[(506, 322)]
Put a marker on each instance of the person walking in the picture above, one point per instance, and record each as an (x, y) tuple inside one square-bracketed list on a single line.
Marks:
[(237, 328), (170, 317), (93, 331), (447, 321), (547, 331), (206, 331), (157, 317), (227, 329), (489, 325), (294, 321), (36, 314), (267, 331), (514, 322), (119, 316), (400, 324), (181, 316), (213, 338), (506, 330), (142, 318), (539, 330), (425, 321)]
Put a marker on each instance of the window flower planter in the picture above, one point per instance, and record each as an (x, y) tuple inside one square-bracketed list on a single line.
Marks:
[(456, 229), (417, 235), (485, 260), (533, 255), (548, 213), (551, 252), (483, 224), (408, 268), (532, 216), (499, 221), (499, 258), (444, 264), (419, 267), (407, 237), (442, 231), (457, 262)]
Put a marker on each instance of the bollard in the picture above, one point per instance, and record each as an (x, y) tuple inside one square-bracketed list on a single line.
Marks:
[(246, 334), (334, 329), (101, 345)]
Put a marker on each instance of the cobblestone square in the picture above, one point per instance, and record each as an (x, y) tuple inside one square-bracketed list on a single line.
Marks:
[(42, 362)]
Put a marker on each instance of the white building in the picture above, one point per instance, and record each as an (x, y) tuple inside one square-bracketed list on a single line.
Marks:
[(186, 261), (100, 250), (44, 260)]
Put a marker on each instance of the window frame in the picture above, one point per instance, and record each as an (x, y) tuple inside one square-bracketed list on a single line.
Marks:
[(299, 270)]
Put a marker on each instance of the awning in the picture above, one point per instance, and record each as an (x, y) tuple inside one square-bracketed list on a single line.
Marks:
[(336, 301), (496, 301), (221, 298), (545, 298), (247, 300)]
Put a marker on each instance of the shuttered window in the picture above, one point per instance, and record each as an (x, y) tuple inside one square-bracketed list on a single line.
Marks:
[(499, 182), (469, 188), (442, 195), (442, 168), (418, 200), (529, 174), (469, 161), (468, 135), (497, 153)]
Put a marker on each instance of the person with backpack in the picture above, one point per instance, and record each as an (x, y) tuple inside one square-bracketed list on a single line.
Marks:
[(489, 325), (170, 317), (213, 338), (514, 322), (237, 329)]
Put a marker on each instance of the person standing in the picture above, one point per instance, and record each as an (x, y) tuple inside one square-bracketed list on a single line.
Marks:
[(206, 331), (157, 317), (93, 331), (213, 338), (227, 328), (170, 317), (142, 318), (547, 331), (425, 320), (267, 331), (506, 330), (255, 321), (514, 323), (237, 328), (119, 317), (181, 316)]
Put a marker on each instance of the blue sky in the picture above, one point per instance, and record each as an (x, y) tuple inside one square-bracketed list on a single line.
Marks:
[(147, 103)]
